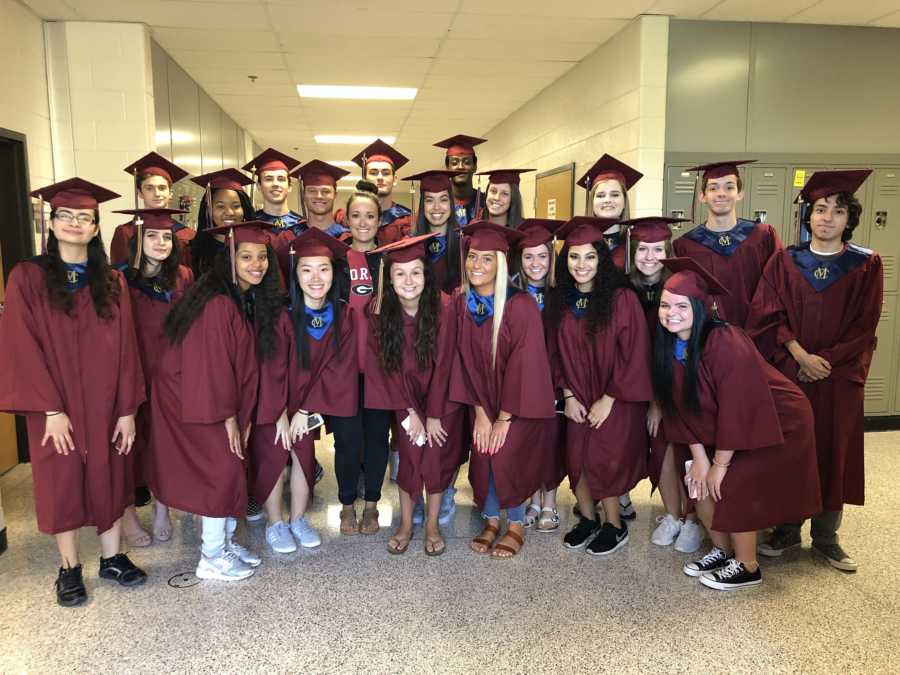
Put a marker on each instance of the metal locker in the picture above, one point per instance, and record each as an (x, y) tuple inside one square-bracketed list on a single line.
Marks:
[(882, 381), (679, 191), (765, 198), (883, 222), (798, 177)]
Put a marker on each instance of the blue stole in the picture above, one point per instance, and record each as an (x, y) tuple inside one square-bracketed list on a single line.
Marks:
[(536, 292), (823, 273), (681, 350), (149, 287), (290, 221), (578, 302), (335, 230), (318, 321), (480, 309), (613, 241), (396, 211), (723, 243), (76, 276), (465, 213), (437, 247)]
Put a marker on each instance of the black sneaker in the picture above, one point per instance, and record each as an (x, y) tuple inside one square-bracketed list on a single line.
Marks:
[(578, 536), (712, 561), (70, 590), (609, 539), (836, 556), (141, 496), (779, 541), (254, 510), (626, 508), (320, 473), (733, 577), (121, 570)]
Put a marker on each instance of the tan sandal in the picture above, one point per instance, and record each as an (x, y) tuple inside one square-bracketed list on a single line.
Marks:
[(483, 540), (369, 524), (349, 523), (504, 547), (398, 545)]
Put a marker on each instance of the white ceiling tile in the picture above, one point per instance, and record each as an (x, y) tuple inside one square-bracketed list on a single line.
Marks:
[(682, 9), (756, 10), (330, 45), (530, 70), (889, 21), (500, 50), (242, 62), (621, 9), (845, 12), (176, 13), (535, 28), (53, 10), (215, 41), (367, 20)]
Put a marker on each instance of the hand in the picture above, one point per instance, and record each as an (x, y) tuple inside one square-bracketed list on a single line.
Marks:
[(123, 434), (234, 437), (499, 430), (58, 428), (813, 366), (654, 417), (803, 377), (416, 428), (714, 478), (575, 411), (283, 431), (245, 437), (481, 433), (299, 425), (600, 411), (695, 479), (437, 435)]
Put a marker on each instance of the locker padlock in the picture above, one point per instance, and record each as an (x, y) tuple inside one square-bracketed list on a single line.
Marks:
[(677, 213), (761, 215), (881, 220)]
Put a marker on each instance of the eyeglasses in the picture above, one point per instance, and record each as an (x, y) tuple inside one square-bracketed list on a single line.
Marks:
[(69, 217)]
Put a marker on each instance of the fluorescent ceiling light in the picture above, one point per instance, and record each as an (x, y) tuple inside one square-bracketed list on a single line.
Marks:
[(358, 93), (345, 188), (352, 140), (353, 178), (340, 162)]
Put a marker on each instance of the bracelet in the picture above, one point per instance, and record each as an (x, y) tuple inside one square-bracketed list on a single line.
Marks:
[(724, 466), (566, 398), (51, 414), (508, 419)]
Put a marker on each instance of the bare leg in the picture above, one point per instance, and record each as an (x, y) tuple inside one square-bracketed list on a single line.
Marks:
[(613, 517), (299, 489), (585, 501), (400, 539), (669, 485), (550, 499), (273, 502), (433, 539), (162, 522), (67, 543), (132, 529), (110, 541), (705, 510), (745, 549)]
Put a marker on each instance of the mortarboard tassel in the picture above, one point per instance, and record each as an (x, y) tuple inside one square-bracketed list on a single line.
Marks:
[(628, 253), (43, 225), (253, 186), (475, 215), (233, 261), (413, 205), (551, 274), (138, 243), (376, 304), (292, 281), (135, 187), (208, 197)]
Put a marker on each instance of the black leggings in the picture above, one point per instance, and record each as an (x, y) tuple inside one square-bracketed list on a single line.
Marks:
[(367, 431)]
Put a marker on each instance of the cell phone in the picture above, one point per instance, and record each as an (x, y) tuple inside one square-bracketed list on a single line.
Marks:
[(692, 489), (314, 421)]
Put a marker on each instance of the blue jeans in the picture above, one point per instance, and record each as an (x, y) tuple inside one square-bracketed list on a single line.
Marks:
[(514, 514)]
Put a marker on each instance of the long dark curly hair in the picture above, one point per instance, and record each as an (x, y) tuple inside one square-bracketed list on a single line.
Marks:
[(600, 306), (298, 316), (203, 245), (101, 277), (168, 271), (452, 252), (662, 361), (261, 304), (389, 324)]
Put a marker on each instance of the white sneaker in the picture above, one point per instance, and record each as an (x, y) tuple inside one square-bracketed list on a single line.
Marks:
[(395, 464), (278, 537), (226, 566), (667, 530), (690, 537), (246, 556), (304, 533)]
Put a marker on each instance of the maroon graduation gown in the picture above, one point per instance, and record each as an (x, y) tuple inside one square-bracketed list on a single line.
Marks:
[(520, 384), (209, 376), (427, 392), (87, 367), (120, 246), (747, 406), (838, 323), (612, 458), (740, 270)]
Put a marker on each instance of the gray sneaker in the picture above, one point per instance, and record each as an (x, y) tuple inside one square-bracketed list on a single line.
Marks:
[(448, 506), (224, 567), (304, 534), (246, 556), (778, 542), (836, 556), (279, 539)]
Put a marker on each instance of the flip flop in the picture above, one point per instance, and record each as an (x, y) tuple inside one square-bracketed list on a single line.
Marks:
[(434, 552), (400, 549)]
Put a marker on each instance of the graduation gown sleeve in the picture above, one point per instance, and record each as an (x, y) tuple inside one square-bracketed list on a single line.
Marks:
[(526, 390), (630, 378), (131, 391)]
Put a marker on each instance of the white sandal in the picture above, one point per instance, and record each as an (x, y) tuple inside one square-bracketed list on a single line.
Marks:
[(550, 523), (531, 514)]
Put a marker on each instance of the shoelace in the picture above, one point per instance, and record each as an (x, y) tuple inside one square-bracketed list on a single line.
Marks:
[(236, 548), (229, 556), (712, 556), (733, 568)]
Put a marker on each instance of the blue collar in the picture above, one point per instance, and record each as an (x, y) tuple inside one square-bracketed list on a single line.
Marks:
[(290, 221), (437, 247), (578, 302), (480, 309), (681, 349), (76, 276), (335, 230), (149, 287), (723, 243), (823, 273), (396, 211), (536, 292), (318, 321), (613, 241)]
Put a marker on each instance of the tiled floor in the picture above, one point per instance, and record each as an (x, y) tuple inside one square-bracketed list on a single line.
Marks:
[(351, 607)]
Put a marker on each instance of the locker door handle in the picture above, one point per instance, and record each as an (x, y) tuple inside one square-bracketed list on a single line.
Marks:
[(881, 220), (677, 213)]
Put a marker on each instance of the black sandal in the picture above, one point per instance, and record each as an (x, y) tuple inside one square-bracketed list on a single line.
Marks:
[(121, 570), (70, 590)]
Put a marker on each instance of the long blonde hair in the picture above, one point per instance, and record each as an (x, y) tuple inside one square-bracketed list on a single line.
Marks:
[(501, 286)]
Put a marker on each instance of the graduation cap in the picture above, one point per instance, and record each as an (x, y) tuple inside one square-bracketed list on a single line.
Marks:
[(650, 230), (245, 232), (826, 183), (73, 193), (608, 167), (314, 242), (224, 179), (486, 236), (499, 176), (148, 219), (379, 151), (719, 169), (402, 251), (537, 232), (584, 230), (156, 165), (691, 279), (318, 173), (271, 159), (460, 145), (436, 180)]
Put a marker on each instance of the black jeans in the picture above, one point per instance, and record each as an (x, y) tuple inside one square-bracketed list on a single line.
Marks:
[(365, 435)]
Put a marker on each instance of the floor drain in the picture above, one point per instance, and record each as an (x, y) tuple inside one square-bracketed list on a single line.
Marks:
[(184, 580)]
